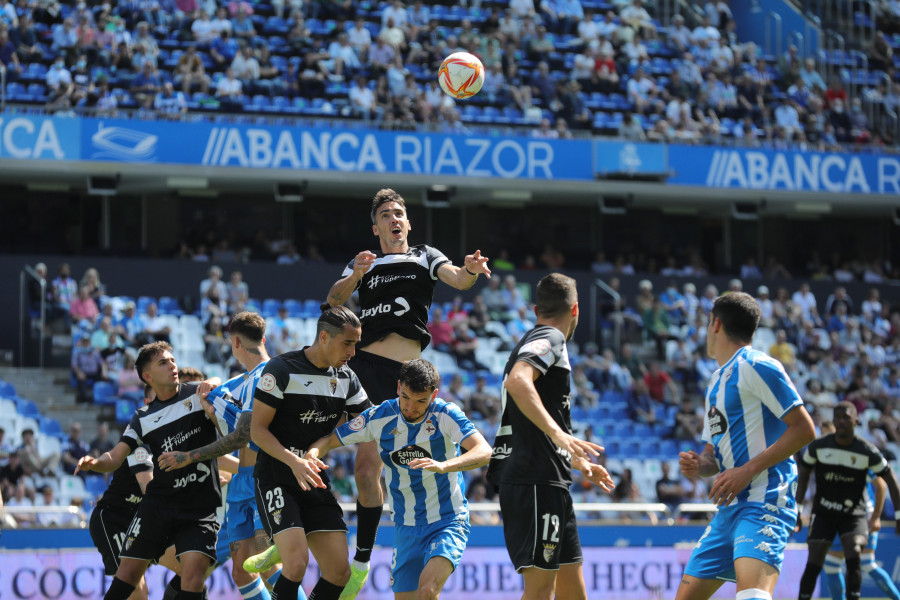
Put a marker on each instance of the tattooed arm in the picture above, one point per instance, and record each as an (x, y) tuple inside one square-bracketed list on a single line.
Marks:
[(227, 444)]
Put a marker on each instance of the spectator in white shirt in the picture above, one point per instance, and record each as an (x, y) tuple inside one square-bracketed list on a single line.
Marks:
[(360, 38), (522, 8), (246, 67), (679, 34), (786, 116), (637, 17), (59, 83), (221, 22), (397, 12), (214, 279), (202, 28), (705, 31), (806, 302), (362, 99)]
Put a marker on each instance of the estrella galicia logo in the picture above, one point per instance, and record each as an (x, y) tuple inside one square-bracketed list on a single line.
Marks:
[(718, 424), (406, 455)]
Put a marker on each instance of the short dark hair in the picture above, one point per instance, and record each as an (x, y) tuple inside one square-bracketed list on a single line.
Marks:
[(419, 375), (148, 389), (187, 374), (383, 196), (334, 319), (739, 313), (249, 325), (847, 407), (556, 294), (147, 353)]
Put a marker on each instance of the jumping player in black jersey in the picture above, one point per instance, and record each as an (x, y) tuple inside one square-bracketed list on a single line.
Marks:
[(841, 462), (300, 398), (396, 288), (178, 508), (535, 451)]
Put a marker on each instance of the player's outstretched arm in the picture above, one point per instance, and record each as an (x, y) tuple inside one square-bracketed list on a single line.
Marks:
[(462, 278), (306, 472), (800, 431), (344, 287), (520, 384), (106, 462), (224, 445), (478, 454)]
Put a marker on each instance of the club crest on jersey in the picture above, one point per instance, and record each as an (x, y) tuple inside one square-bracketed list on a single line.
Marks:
[(267, 383), (358, 423), (429, 427), (718, 424), (188, 405), (128, 542), (540, 347), (333, 383), (549, 549), (276, 516)]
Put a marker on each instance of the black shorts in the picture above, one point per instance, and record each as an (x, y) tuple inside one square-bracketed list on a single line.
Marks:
[(823, 525), (155, 528), (108, 527), (539, 526), (282, 507), (378, 375)]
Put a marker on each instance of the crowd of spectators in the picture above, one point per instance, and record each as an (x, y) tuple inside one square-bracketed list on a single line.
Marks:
[(556, 64), (835, 347)]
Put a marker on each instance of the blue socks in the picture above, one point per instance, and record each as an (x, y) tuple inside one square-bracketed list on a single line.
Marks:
[(256, 590)]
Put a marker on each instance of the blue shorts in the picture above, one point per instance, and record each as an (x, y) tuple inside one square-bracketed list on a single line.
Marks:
[(242, 519), (745, 530), (415, 546)]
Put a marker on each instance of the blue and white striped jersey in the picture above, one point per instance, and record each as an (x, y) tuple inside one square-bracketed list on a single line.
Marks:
[(745, 401), (234, 397), (418, 497)]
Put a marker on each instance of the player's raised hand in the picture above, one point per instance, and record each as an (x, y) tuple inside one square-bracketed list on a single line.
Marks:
[(476, 263), (363, 261), (204, 389), (307, 474), (429, 464), (85, 463), (729, 484), (689, 462)]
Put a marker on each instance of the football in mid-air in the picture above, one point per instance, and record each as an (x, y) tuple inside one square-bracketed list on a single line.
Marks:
[(461, 75)]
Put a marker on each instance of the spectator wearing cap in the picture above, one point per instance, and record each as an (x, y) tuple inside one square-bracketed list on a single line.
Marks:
[(88, 367), (766, 307)]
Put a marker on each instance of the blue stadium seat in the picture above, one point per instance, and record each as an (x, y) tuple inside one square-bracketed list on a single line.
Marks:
[(37, 92), (95, 485), (294, 307), (143, 302), (50, 426), (311, 309), (16, 92), (270, 307), (7, 390), (280, 104), (124, 410), (169, 306), (26, 408), (105, 392)]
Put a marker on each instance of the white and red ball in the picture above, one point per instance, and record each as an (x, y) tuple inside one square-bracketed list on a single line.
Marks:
[(461, 75)]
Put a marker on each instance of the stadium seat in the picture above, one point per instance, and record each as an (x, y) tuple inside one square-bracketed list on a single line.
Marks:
[(7, 390), (124, 410), (27, 408), (105, 392), (169, 306), (294, 307), (71, 486), (50, 426), (95, 485), (270, 307)]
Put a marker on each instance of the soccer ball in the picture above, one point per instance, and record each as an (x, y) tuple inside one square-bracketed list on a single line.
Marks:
[(461, 75)]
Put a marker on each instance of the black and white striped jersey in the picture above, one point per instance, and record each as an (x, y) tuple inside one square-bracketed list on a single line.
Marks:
[(396, 293), (523, 454), (177, 424), (308, 403), (124, 492), (841, 473)]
